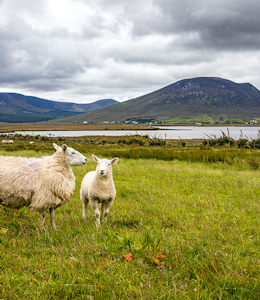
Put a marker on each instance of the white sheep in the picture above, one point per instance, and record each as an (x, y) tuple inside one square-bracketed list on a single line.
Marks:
[(7, 141), (98, 187), (40, 183)]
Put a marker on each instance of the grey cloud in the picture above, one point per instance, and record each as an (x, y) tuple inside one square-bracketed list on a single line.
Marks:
[(28, 53), (218, 24), (27, 7), (95, 27)]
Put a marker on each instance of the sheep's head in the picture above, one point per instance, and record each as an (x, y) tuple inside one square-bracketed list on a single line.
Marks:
[(75, 157), (104, 166)]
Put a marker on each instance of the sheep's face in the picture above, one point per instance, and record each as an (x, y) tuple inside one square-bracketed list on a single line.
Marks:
[(104, 166), (75, 157)]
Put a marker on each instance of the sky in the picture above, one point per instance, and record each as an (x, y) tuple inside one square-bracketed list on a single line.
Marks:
[(85, 50)]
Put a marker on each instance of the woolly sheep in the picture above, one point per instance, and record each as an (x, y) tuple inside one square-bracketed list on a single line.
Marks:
[(7, 141), (98, 187), (40, 183)]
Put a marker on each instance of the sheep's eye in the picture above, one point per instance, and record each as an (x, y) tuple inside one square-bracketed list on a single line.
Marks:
[(73, 152)]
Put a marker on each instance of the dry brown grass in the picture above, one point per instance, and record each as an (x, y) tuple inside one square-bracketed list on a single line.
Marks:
[(9, 127)]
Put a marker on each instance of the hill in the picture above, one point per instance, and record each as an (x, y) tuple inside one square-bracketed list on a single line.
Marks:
[(202, 99), (19, 108)]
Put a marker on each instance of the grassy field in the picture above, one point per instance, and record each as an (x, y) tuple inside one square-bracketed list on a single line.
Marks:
[(188, 229)]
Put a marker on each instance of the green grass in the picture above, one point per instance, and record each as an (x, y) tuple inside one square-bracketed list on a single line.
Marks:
[(208, 119), (204, 217)]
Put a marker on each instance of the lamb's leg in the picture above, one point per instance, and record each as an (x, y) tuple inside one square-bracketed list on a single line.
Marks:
[(85, 206), (42, 219), (94, 206), (52, 213), (105, 206)]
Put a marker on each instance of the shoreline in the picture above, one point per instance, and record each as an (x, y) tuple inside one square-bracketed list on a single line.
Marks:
[(12, 127)]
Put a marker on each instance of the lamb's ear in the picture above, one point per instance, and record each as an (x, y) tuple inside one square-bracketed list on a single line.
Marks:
[(56, 147), (95, 158), (114, 160), (64, 148)]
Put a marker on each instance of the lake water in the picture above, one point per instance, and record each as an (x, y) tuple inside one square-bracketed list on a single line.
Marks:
[(172, 132)]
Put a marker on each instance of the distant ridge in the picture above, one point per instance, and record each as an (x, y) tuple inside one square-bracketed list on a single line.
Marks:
[(196, 99), (20, 108)]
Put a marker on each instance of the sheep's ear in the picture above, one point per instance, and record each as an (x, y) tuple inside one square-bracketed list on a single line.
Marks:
[(56, 147), (95, 158), (114, 160), (64, 148)]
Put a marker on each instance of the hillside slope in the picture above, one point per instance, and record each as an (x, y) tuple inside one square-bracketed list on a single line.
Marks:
[(189, 98), (20, 108)]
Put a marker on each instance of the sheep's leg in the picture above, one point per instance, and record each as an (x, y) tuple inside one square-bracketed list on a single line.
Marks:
[(52, 213), (85, 206), (94, 206), (105, 206), (42, 219)]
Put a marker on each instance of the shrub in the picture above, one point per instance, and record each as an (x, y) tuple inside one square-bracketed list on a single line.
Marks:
[(93, 141), (155, 142), (141, 142), (184, 143), (45, 139), (212, 142), (61, 139), (221, 141), (130, 141), (122, 141), (136, 140), (224, 140), (241, 142), (231, 142), (255, 143)]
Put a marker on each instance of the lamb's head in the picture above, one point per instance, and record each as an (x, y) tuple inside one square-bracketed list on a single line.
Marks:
[(104, 166), (75, 157)]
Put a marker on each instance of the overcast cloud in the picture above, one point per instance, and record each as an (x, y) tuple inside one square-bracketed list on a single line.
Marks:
[(85, 50)]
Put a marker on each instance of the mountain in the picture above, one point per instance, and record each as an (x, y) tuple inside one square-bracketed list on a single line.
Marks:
[(20, 108), (202, 98)]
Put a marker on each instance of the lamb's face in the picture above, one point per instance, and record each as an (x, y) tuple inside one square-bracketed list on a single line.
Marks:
[(104, 166), (75, 157)]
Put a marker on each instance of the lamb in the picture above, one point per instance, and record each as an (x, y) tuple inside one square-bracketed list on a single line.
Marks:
[(40, 183), (98, 187)]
